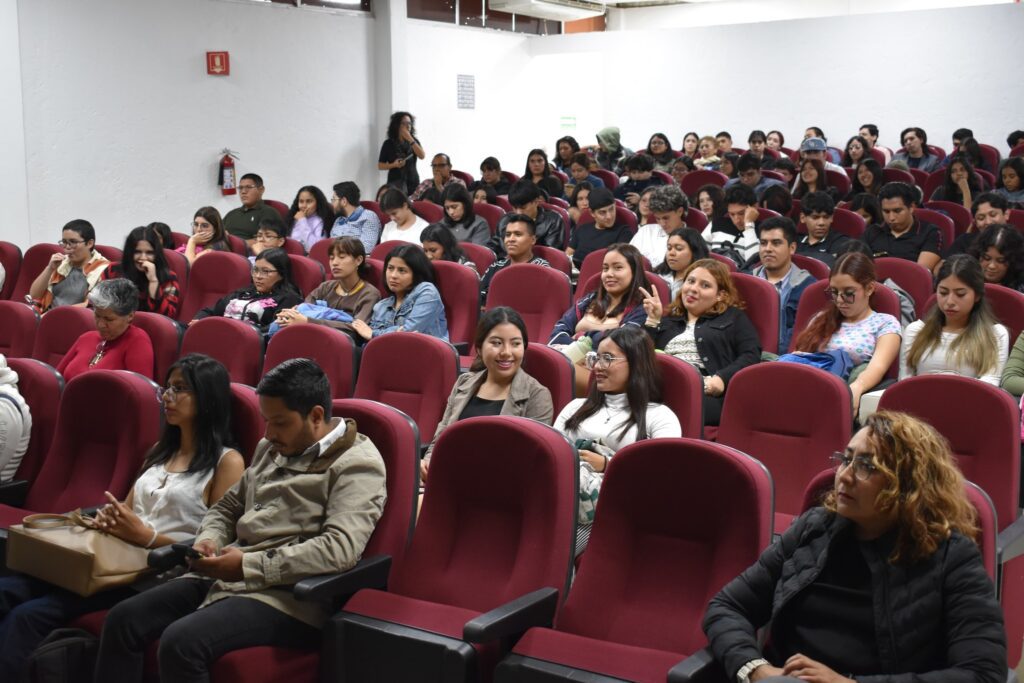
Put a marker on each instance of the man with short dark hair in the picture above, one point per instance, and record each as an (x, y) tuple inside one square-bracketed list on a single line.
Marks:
[(902, 235), (306, 506), (352, 219), (988, 208), (776, 246), (245, 220), (915, 152), (432, 188), (640, 169), (735, 230), (602, 232), (869, 132), (724, 140), (1015, 138), (821, 241), (490, 173), (520, 239), (526, 198), (749, 173)]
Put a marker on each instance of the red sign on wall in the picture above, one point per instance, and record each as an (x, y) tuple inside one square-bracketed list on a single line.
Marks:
[(217, 64)]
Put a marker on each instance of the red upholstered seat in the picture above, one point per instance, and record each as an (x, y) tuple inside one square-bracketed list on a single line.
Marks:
[(474, 549), (958, 213), (540, 294), (428, 211), (320, 252), (682, 390), (490, 213), (307, 273), (238, 245), (332, 349), (280, 207), (840, 181), (941, 221), (696, 219), (481, 256), (247, 422), (33, 263), (41, 386), (19, 329), (912, 277), (664, 542), (1006, 303), (165, 335), (898, 175), (502, 201), (412, 372), (112, 254), (611, 181), (58, 331), (552, 369), (375, 207), (563, 213), (694, 180), (463, 176), (213, 276), (844, 222), (817, 269), (765, 415), (10, 259), (238, 345), (459, 287), (556, 257), (178, 264), (381, 251), (762, 307)]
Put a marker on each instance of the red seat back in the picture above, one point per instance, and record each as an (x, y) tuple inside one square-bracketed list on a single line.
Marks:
[(558, 201), (280, 207), (611, 181), (112, 254), (1008, 305), (511, 177), (898, 175), (682, 390), (762, 307), (554, 370), (563, 213), (540, 294), (411, 372), (817, 269), (381, 251), (213, 276), (766, 415), (696, 219), (178, 265), (41, 386), (294, 247), (307, 273), (724, 260), (482, 257), (958, 213), (375, 207), (58, 331), (238, 245), (19, 328), (247, 423), (428, 211), (943, 222), (33, 263), (319, 252), (502, 201), (332, 349), (1016, 219), (840, 181), (665, 541), (478, 549), (920, 177), (375, 275), (849, 223), (910, 276), (694, 180), (180, 239), (463, 176), (236, 344), (459, 287), (490, 213), (165, 335), (10, 259), (556, 257), (88, 456)]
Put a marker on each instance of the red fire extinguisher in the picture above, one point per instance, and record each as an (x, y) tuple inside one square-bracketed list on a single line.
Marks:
[(226, 175)]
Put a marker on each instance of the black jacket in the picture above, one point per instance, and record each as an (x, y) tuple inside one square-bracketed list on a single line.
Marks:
[(727, 342), (550, 232), (936, 621)]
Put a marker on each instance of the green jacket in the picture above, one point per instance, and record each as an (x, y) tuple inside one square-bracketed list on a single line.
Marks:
[(1013, 373)]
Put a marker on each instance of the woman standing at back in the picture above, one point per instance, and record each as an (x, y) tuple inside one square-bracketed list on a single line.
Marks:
[(399, 152)]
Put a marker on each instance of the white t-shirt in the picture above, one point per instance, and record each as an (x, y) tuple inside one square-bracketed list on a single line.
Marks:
[(652, 241), (938, 360), (411, 234)]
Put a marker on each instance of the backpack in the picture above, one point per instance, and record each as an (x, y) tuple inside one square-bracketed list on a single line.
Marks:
[(68, 655)]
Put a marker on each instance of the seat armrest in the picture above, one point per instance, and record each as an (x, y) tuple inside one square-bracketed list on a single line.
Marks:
[(14, 492), (700, 666), (533, 609), (369, 572), (1010, 542), (165, 557)]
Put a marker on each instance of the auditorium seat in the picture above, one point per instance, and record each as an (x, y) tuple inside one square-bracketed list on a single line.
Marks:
[(10, 259), (237, 345), (1016, 220), (381, 251), (482, 257), (898, 175), (849, 223), (459, 287), (694, 180), (762, 307), (934, 181), (511, 177), (958, 213), (428, 211), (540, 294), (920, 177), (664, 542), (112, 254), (553, 370), (463, 176), (412, 372), (818, 269), (247, 423), (611, 181), (490, 213), (696, 219), (912, 277), (558, 201), (212, 277), (238, 245), (725, 261), (19, 328), (502, 201), (294, 247), (940, 220), (58, 331), (375, 208), (682, 390), (332, 349), (840, 181), (282, 209), (445, 614), (165, 335), (320, 252), (307, 273), (32, 264), (41, 386), (555, 257), (179, 265), (563, 213)]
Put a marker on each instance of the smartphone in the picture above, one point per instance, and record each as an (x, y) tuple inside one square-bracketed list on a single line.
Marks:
[(183, 550)]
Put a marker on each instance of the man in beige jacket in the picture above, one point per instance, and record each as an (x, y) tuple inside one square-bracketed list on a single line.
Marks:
[(306, 506)]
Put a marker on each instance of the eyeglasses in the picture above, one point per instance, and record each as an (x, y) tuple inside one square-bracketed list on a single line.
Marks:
[(266, 236), (862, 465), (593, 359), (439, 165), (263, 272), (847, 296), (246, 188), (70, 244), (171, 392)]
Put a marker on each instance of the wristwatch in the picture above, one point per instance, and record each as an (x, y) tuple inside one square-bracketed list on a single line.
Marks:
[(743, 675)]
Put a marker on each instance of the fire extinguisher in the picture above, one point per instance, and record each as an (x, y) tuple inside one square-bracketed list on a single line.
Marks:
[(226, 175)]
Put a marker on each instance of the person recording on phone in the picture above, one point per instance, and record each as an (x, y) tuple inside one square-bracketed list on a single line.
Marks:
[(399, 152)]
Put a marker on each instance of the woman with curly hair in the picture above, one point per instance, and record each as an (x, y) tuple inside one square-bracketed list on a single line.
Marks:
[(1000, 251), (883, 582)]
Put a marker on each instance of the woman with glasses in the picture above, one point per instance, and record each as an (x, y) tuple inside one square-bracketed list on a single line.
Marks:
[(660, 149), (188, 470), (848, 324), (883, 582), (143, 263), (207, 235), (271, 233), (70, 273), (496, 384), (116, 344), (622, 406), (707, 328), (271, 291)]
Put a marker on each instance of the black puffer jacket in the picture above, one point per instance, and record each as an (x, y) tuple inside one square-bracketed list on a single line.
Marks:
[(936, 621)]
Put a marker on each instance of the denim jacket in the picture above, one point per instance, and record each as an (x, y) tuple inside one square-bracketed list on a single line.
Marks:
[(422, 311)]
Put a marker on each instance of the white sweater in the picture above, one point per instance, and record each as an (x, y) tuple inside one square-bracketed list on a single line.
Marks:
[(939, 361), (606, 424), (411, 234), (652, 242), (15, 423)]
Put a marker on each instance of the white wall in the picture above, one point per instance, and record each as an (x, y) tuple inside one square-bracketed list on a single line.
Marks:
[(124, 127), (13, 186)]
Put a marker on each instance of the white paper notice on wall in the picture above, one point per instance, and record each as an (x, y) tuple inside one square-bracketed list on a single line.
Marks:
[(466, 91)]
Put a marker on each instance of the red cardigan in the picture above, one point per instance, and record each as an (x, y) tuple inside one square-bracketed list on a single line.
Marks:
[(131, 351)]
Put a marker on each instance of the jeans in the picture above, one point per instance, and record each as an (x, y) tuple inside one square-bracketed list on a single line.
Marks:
[(191, 639)]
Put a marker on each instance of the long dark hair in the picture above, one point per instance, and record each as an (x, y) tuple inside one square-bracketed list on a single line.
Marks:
[(488, 321), (642, 388), (443, 235), (282, 264), (847, 159), (951, 191), (210, 385), (573, 147), (1007, 240), (877, 174), (698, 247), (323, 209), (219, 241), (353, 247), (603, 300), (458, 193), (417, 261), (547, 164), (396, 121), (821, 184), (131, 271)]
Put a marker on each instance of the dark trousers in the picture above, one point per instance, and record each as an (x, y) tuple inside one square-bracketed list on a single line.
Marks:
[(30, 609), (191, 639)]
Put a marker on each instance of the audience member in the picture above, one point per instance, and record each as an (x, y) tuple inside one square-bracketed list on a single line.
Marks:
[(960, 183), (733, 235), (399, 152), (669, 206), (185, 472), (867, 207), (348, 289), (959, 335), (971, 149), (1015, 139), (890, 558), (659, 149), (643, 206), (988, 209), (915, 152), (310, 217), (777, 198), (830, 154), (684, 247), (579, 170), (579, 201), (520, 239), (680, 167), (483, 193), (603, 231), (749, 173), (404, 225), (857, 152), (116, 344), (537, 166), (849, 325), (490, 174), (723, 141), (526, 198), (869, 178), (355, 220), (816, 148), (777, 243), (1000, 252), (246, 597), (271, 291), (1010, 181), (709, 159), (611, 155), (775, 140), (496, 383), (690, 142), (640, 169), (551, 186), (622, 406), (711, 202), (431, 189), (244, 220), (460, 218), (729, 165), (757, 141), (207, 235), (1013, 373), (271, 234), (820, 242), (15, 426), (813, 179), (903, 235), (565, 148), (869, 132), (413, 303), (143, 262), (164, 232), (71, 273), (439, 244), (785, 167)]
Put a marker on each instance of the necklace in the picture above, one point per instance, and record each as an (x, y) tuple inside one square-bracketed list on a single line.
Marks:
[(100, 350)]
